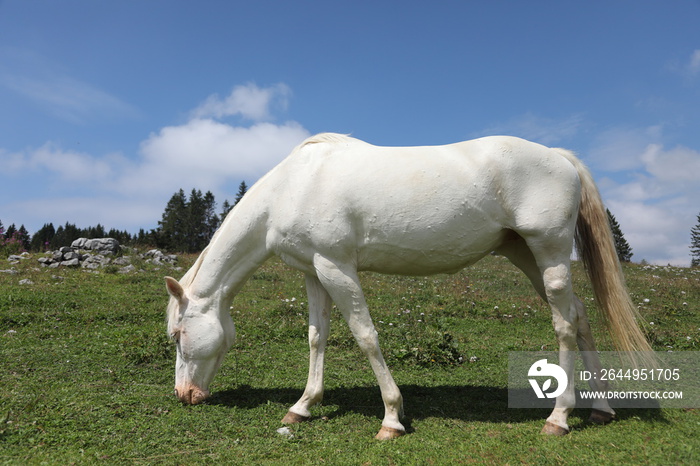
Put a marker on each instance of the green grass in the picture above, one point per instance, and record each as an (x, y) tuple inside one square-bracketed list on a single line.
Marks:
[(86, 373)]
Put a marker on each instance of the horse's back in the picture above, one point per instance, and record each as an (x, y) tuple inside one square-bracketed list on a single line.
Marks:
[(397, 209)]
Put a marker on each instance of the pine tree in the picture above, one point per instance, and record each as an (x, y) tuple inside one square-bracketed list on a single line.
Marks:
[(188, 223), (23, 236), (143, 238), (196, 219), (13, 241), (624, 251), (9, 233), (170, 233), (695, 245), (65, 235), (124, 237), (94, 232), (211, 219), (242, 189), (225, 209), (41, 240)]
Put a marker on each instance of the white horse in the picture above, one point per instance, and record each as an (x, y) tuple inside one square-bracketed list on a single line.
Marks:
[(337, 206)]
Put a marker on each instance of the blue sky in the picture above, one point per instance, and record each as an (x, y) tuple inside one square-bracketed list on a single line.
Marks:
[(108, 108)]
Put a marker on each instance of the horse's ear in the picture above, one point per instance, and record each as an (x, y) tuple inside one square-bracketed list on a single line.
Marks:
[(174, 289)]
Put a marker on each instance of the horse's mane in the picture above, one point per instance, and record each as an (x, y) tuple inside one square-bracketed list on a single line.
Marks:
[(328, 138), (188, 278)]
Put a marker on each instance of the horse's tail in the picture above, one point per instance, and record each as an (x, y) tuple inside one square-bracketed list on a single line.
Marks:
[(596, 248)]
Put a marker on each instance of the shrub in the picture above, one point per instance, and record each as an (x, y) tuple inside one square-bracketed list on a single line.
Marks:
[(11, 245)]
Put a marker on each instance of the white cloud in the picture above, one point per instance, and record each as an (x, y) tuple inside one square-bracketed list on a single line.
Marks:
[(620, 149), (208, 154), (688, 68), (677, 165), (657, 232), (248, 101), (656, 201), (129, 194), (62, 165)]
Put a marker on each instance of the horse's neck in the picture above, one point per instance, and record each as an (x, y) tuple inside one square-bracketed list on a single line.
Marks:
[(237, 249)]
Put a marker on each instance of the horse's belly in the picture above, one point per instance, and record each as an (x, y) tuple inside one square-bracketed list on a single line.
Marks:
[(427, 249), (407, 262)]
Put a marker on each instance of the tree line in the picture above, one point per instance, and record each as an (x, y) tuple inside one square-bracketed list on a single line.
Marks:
[(187, 225)]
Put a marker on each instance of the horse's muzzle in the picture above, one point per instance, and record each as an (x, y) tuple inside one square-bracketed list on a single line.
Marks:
[(191, 395)]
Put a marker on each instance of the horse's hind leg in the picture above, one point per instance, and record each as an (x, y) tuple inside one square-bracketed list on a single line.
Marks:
[(319, 323), (520, 255), (343, 285), (547, 264)]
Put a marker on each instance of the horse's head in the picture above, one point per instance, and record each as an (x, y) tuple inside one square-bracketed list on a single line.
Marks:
[(203, 333)]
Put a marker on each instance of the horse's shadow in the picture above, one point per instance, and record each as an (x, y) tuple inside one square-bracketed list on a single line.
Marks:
[(469, 403)]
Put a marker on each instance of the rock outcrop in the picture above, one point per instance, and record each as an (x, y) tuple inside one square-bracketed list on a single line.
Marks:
[(97, 253), (98, 245), (156, 257)]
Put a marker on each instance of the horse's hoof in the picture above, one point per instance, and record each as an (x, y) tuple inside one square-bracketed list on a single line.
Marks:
[(294, 418), (388, 433), (553, 429), (601, 417)]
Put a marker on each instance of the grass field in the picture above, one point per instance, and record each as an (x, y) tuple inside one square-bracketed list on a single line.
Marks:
[(86, 373)]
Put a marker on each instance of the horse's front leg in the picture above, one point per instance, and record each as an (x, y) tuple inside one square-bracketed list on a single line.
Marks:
[(319, 322), (342, 283)]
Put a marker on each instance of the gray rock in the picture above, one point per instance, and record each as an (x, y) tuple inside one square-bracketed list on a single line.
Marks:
[(15, 258), (104, 245), (67, 256), (79, 243), (124, 260), (101, 245), (157, 257), (71, 263), (26, 281), (128, 269), (94, 261)]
